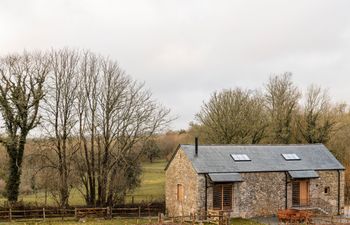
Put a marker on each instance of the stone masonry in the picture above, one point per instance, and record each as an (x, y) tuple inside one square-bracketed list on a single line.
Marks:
[(260, 194), (180, 171)]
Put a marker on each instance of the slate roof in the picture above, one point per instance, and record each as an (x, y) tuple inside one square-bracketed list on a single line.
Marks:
[(263, 158), (303, 174), (225, 177)]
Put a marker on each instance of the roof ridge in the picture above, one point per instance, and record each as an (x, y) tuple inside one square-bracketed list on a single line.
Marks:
[(254, 144)]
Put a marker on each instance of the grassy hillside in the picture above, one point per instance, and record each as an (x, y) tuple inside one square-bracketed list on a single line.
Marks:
[(152, 188), (152, 185)]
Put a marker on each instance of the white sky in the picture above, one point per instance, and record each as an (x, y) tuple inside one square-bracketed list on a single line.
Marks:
[(184, 50)]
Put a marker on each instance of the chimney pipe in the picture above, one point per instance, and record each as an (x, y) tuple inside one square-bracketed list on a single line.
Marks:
[(196, 146)]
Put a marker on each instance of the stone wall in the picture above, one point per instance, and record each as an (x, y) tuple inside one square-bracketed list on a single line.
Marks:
[(180, 171), (262, 194), (327, 201), (201, 193), (317, 195)]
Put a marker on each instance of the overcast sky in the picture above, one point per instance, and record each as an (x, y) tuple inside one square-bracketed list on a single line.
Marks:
[(185, 50)]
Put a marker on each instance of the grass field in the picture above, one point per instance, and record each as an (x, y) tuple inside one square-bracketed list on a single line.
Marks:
[(115, 222), (89, 222), (152, 188)]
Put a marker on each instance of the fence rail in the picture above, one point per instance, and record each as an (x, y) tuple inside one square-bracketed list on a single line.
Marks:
[(43, 213)]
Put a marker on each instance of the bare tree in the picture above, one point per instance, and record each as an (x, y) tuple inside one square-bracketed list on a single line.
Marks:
[(233, 116), (317, 121), (116, 113), (87, 111), (21, 91), (61, 116), (282, 98)]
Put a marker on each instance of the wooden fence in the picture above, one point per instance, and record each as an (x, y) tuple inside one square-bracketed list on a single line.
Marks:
[(44, 213)]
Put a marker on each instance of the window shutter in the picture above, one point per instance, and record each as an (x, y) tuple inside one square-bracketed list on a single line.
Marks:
[(295, 193), (222, 196), (217, 196), (227, 197)]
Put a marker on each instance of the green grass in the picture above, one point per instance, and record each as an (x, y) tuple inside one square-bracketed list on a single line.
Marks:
[(114, 222), (239, 221), (152, 183), (151, 188), (88, 222)]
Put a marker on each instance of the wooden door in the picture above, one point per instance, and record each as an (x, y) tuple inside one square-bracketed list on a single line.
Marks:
[(304, 192), (300, 193)]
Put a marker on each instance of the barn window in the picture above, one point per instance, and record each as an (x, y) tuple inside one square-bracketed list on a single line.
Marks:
[(327, 190), (222, 196), (180, 193)]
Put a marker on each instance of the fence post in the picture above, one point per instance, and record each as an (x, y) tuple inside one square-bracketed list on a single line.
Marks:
[(149, 213), (109, 212), (64, 213), (139, 211), (44, 216), (10, 214), (75, 212)]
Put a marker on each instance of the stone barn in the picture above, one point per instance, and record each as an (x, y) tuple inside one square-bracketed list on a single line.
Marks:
[(253, 180)]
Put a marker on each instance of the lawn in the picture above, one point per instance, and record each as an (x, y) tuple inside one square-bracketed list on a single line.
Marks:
[(152, 184), (89, 222), (152, 188), (240, 221), (115, 222)]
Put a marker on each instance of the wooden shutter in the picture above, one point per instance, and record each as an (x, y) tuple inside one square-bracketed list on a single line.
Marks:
[(295, 193), (217, 196), (227, 196), (180, 192), (222, 196)]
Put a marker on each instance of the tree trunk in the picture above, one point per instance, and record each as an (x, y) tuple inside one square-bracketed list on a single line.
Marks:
[(12, 187)]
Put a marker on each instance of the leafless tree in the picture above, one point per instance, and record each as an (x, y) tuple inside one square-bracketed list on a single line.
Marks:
[(87, 111), (115, 113), (317, 121), (22, 79), (61, 117), (233, 116), (281, 98)]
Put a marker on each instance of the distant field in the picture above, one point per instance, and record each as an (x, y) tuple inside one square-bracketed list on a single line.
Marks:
[(152, 188)]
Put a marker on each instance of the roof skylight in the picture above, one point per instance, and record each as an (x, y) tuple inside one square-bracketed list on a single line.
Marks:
[(290, 157), (240, 157)]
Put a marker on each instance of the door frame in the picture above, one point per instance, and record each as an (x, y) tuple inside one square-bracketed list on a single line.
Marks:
[(297, 198)]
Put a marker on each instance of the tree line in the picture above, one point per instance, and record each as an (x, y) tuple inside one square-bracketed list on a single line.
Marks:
[(278, 114), (92, 124), (91, 118)]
